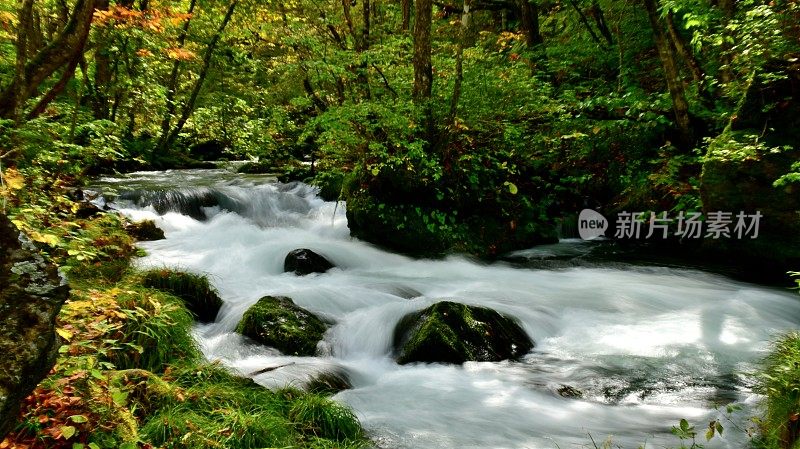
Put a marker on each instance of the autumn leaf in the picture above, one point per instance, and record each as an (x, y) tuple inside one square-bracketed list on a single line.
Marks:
[(180, 54)]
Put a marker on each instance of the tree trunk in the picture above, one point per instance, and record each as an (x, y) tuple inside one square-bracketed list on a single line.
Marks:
[(423, 71), (172, 84), (63, 49), (728, 9), (188, 108), (600, 20), (674, 83), (464, 34), (102, 70), (584, 20), (406, 6), (529, 18), (18, 83), (686, 53)]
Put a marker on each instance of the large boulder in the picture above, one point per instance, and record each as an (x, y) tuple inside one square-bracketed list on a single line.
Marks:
[(196, 292), (743, 171), (278, 322), (304, 261), (449, 332), (31, 297)]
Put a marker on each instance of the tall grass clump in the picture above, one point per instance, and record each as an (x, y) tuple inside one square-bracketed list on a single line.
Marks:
[(779, 381), (156, 332), (219, 409), (194, 290)]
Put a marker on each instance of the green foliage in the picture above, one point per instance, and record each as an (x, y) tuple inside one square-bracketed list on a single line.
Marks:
[(157, 326), (779, 382)]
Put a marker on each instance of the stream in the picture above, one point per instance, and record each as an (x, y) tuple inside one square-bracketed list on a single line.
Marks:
[(643, 346)]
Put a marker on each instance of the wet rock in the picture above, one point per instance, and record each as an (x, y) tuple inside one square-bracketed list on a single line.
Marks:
[(566, 391), (144, 231), (329, 383), (304, 261), (278, 322), (449, 332), (194, 290), (30, 299)]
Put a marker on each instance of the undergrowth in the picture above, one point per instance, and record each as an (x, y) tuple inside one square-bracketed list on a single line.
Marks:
[(129, 375)]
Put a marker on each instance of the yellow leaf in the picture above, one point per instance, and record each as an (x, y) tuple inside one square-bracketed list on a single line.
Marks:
[(49, 239), (65, 334), (13, 179)]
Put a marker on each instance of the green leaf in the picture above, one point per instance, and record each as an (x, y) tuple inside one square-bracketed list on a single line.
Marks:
[(128, 446), (512, 188), (94, 446), (710, 433), (79, 419), (119, 397), (78, 446), (684, 425), (68, 431), (719, 428)]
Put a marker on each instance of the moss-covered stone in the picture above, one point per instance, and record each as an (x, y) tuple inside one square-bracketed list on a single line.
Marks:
[(449, 332), (31, 297), (433, 231), (145, 231), (742, 166), (278, 322), (195, 290)]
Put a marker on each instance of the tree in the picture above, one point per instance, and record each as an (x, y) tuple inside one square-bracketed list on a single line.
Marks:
[(66, 48), (672, 75)]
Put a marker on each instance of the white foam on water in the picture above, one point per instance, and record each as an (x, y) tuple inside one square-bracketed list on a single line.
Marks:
[(646, 346)]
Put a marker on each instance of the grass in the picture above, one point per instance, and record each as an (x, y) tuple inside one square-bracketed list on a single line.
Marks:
[(197, 293), (779, 381), (129, 375)]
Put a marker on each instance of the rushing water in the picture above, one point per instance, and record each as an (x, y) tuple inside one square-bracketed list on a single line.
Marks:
[(646, 346)]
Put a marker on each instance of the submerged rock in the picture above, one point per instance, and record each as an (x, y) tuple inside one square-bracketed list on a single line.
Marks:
[(329, 383), (449, 332), (304, 261), (567, 391), (145, 231), (278, 322), (194, 290), (31, 297)]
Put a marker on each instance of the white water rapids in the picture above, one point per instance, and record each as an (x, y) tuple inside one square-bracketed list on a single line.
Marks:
[(646, 346)]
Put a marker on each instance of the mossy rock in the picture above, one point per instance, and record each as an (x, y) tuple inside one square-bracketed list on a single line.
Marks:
[(436, 231), (449, 332), (196, 292), (278, 322), (304, 261), (145, 231), (329, 383)]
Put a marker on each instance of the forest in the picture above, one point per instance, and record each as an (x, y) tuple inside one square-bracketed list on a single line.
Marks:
[(426, 168)]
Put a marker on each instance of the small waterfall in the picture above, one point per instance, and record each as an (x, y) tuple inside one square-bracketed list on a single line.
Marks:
[(645, 347)]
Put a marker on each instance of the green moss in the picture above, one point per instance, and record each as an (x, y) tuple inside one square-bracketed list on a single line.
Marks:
[(455, 333), (278, 322), (195, 290)]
